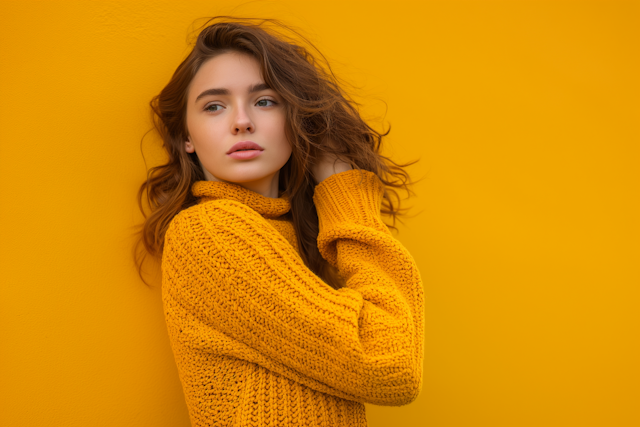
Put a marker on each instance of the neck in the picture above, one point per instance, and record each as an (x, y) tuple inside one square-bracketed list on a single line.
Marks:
[(266, 186)]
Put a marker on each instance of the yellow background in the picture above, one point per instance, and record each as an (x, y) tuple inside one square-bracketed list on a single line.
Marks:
[(524, 113)]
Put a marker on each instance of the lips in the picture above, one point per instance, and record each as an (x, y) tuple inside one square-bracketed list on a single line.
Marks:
[(245, 145)]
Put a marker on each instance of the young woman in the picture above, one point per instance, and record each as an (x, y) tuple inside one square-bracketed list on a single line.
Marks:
[(287, 300)]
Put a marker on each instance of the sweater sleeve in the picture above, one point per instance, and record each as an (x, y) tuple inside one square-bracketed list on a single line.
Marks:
[(248, 294)]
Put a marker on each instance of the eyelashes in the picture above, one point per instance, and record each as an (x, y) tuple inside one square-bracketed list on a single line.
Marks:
[(212, 108), (266, 100)]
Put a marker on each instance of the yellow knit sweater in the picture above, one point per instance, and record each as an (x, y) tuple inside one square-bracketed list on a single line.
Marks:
[(259, 339)]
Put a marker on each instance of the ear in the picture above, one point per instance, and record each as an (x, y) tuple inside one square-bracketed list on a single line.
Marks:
[(188, 146)]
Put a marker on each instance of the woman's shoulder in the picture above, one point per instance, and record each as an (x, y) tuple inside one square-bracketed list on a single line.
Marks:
[(212, 214)]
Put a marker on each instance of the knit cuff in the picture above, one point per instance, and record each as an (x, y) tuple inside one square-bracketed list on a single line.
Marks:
[(351, 196)]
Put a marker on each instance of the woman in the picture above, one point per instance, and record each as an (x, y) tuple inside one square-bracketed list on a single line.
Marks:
[(287, 300)]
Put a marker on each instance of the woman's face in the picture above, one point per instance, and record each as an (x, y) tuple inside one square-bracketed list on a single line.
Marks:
[(228, 102)]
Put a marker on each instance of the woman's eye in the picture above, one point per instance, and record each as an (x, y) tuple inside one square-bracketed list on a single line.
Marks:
[(213, 107), (264, 103)]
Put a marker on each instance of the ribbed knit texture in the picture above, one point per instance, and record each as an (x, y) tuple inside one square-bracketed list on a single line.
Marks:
[(259, 339)]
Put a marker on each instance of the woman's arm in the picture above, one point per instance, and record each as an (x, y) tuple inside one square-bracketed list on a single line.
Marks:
[(327, 165), (240, 282)]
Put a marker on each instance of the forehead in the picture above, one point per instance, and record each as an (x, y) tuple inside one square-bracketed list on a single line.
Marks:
[(232, 70)]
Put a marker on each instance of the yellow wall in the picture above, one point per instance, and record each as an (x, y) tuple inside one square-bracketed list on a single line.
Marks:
[(525, 115)]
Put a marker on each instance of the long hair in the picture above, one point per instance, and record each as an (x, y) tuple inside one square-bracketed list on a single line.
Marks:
[(320, 118)]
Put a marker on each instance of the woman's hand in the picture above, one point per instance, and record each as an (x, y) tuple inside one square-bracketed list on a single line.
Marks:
[(328, 165)]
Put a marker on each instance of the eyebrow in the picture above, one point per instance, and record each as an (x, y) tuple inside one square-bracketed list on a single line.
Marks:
[(223, 91)]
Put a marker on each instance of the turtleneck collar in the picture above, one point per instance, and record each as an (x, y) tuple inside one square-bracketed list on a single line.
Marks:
[(268, 207)]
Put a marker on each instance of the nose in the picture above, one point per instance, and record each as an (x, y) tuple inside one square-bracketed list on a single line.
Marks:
[(242, 121)]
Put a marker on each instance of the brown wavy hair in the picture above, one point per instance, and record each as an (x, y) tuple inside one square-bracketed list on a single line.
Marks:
[(320, 118)]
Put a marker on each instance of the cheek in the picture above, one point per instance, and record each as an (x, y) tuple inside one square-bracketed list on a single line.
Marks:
[(192, 128), (204, 132), (276, 127)]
